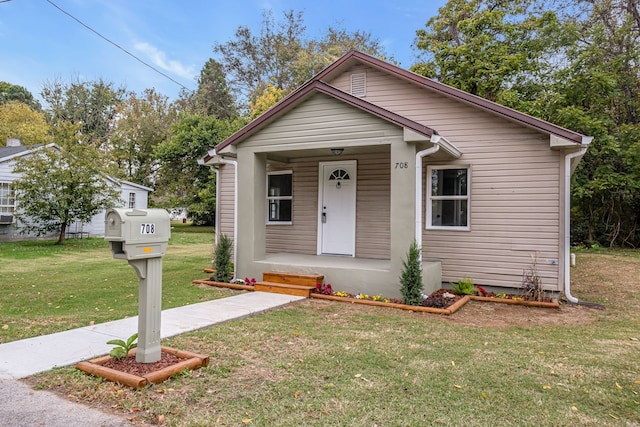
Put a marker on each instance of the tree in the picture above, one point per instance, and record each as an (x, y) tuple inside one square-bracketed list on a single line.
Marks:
[(60, 186), (213, 97), (143, 123), (181, 181), (411, 277), (485, 46), (90, 105), (266, 100), (18, 120), (283, 56), (575, 64), (10, 92)]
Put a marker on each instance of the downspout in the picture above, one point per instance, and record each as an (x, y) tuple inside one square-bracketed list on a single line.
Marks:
[(567, 218), (419, 155), (235, 211)]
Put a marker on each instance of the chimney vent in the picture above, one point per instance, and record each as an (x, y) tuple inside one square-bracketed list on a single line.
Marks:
[(13, 142)]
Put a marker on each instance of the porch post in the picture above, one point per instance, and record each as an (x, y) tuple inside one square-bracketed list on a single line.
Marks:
[(403, 182), (252, 175)]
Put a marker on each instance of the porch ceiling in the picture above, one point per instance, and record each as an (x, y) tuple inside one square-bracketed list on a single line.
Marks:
[(326, 152)]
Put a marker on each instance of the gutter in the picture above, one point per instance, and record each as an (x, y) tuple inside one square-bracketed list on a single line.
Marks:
[(435, 139), (567, 217)]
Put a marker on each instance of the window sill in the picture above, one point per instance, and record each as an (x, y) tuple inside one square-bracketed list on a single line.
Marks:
[(448, 228)]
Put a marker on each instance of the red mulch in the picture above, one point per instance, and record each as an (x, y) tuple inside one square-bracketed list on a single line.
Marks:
[(131, 366)]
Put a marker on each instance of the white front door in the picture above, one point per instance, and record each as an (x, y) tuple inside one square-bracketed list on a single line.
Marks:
[(337, 208)]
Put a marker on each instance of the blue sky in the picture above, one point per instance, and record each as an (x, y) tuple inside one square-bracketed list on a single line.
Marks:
[(39, 43)]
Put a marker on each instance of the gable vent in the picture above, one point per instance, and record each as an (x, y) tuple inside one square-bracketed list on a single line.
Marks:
[(359, 84)]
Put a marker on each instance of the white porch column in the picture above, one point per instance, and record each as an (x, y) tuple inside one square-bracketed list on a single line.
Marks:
[(252, 175), (403, 182)]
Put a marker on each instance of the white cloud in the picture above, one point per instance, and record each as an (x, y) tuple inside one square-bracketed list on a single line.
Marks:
[(159, 59)]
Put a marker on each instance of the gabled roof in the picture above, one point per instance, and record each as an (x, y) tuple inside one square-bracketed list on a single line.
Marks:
[(354, 57), (317, 85), (8, 153)]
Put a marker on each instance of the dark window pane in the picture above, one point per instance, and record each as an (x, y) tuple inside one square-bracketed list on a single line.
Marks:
[(280, 210), (449, 213), (449, 182), (280, 185)]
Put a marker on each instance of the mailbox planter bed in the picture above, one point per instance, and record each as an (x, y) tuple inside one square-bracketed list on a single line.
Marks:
[(127, 371), (455, 306)]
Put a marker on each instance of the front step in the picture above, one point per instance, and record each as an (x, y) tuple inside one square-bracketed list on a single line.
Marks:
[(284, 288), (293, 278)]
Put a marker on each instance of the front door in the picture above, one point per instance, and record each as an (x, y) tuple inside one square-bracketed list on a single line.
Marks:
[(337, 208)]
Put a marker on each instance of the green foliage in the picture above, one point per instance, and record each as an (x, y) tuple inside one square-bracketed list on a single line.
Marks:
[(213, 97), (74, 187), (122, 348), (411, 277), (464, 286), (222, 262), (181, 180), (10, 92), (145, 122), (577, 66), (18, 120)]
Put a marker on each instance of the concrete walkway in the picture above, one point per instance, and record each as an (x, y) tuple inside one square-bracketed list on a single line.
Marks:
[(21, 406)]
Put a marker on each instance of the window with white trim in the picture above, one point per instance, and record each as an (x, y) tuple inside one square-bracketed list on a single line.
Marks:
[(132, 200), (7, 199), (279, 197), (448, 197)]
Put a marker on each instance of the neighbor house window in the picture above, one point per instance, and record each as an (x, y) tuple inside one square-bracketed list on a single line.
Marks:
[(279, 197), (7, 199), (448, 197), (132, 200)]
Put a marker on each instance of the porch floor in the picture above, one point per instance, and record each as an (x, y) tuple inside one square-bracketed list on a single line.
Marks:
[(328, 261)]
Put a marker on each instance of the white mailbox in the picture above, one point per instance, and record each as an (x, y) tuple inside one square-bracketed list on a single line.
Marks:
[(137, 233)]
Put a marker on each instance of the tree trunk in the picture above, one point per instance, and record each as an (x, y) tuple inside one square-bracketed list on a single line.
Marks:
[(63, 231)]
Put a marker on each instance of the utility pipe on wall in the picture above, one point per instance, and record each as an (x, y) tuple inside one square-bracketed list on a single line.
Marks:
[(235, 211), (567, 218), (419, 155)]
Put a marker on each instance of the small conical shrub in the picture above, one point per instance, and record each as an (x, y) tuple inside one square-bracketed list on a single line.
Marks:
[(222, 261), (411, 277)]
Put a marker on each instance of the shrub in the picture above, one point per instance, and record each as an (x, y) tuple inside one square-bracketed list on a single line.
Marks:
[(532, 288), (464, 286), (411, 277), (222, 260)]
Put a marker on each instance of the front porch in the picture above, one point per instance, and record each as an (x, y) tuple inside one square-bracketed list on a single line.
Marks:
[(354, 275)]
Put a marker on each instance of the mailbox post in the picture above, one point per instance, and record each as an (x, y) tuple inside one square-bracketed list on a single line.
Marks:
[(141, 236)]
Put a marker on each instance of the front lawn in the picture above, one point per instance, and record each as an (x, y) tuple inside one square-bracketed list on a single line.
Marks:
[(47, 288), (318, 363)]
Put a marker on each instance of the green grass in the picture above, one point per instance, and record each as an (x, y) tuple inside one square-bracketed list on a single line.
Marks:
[(48, 288), (321, 363)]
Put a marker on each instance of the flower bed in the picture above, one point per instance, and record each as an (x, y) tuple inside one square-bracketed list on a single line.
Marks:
[(502, 298), (443, 304)]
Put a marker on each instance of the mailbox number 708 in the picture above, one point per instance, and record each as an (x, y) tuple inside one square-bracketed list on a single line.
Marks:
[(147, 229)]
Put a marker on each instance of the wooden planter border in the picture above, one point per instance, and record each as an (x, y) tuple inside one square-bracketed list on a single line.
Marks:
[(447, 311), (191, 361), (553, 304), (223, 285)]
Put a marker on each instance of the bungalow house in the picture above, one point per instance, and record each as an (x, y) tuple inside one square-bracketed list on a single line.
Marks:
[(340, 176), (131, 195)]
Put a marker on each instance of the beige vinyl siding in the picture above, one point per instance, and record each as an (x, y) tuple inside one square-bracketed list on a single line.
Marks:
[(373, 239), (323, 119), (515, 186), (226, 204)]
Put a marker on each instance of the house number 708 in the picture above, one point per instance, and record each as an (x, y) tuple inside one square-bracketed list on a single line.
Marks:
[(402, 165)]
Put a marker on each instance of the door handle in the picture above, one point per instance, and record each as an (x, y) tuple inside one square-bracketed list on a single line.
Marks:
[(324, 217)]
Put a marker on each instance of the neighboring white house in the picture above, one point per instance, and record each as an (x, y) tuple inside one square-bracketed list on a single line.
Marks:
[(131, 196)]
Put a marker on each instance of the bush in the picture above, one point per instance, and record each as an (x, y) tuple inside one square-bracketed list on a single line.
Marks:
[(464, 286), (222, 260), (411, 278)]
